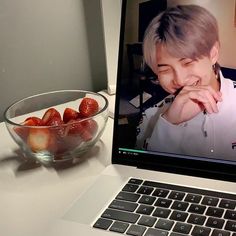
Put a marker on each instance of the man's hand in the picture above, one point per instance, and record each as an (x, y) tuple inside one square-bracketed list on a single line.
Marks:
[(190, 101)]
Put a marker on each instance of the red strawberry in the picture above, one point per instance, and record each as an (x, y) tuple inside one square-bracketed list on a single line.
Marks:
[(70, 114), (78, 129), (91, 128), (49, 115), (40, 139), (30, 121), (88, 107), (60, 145), (55, 121), (70, 143), (57, 126), (73, 132), (74, 127), (33, 121)]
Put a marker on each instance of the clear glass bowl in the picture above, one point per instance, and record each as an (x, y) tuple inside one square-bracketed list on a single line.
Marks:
[(56, 141)]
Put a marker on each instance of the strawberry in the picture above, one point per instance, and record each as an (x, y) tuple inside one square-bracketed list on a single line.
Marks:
[(91, 128), (57, 127), (74, 127), (70, 114), (30, 121), (85, 129), (49, 115), (73, 132), (70, 143), (55, 121), (40, 139), (88, 107), (77, 128), (33, 121), (60, 145)]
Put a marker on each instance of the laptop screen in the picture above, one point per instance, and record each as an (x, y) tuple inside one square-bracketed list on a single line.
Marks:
[(176, 94)]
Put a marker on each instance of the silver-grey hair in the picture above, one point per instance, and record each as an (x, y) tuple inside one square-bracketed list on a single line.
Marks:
[(186, 31)]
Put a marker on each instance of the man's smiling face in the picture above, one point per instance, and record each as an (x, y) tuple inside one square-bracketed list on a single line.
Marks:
[(175, 73)]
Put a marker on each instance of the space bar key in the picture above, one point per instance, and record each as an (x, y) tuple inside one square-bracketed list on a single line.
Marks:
[(120, 215)]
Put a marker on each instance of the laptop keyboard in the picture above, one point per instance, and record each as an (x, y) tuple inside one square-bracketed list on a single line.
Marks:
[(147, 208)]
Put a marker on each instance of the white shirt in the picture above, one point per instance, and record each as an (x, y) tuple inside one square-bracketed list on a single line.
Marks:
[(206, 135)]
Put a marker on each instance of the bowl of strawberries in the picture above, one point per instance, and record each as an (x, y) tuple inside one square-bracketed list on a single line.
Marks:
[(58, 125)]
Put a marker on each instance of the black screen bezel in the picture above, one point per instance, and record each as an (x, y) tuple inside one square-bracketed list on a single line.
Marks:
[(185, 166)]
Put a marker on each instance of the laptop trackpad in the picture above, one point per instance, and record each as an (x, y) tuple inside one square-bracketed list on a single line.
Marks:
[(95, 199)]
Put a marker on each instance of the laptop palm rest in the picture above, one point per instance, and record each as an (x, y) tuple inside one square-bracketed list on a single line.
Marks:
[(85, 209)]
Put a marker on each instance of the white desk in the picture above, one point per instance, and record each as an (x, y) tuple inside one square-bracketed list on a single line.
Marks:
[(32, 196)]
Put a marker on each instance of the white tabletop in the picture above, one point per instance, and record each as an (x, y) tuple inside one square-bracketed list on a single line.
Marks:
[(31, 196)]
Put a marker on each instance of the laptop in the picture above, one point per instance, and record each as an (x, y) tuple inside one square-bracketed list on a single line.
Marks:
[(149, 192)]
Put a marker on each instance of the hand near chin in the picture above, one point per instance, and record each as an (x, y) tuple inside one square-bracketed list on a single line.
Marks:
[(190, 101)]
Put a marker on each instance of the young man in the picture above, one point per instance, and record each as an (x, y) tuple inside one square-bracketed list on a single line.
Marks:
[(181, 46)]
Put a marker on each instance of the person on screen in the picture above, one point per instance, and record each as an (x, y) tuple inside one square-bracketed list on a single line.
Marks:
[(181, 45)]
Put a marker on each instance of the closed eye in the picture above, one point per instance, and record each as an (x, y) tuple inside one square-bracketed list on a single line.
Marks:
[(188, 62), (163, 71)]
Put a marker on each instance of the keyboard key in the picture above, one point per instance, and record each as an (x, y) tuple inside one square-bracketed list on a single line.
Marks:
[(120, 215), (132, 197), (147, 221), (130, 188), (194, 208), (123, 205), (161, 212), (193, 198), (210, 201), (144, 209), (102, 223), (196, 219), (135, 181), (119, 227), (182, 228), (179, 216), (156, 232), (177, 234), (176, 195), (201, 231), (164, 224), (218, 232), (136, 230), (160, 193), (177, 205), (162, 202), (216, 212), (228, 204), (231, 215), (231, 226), (215, 222), (145, 190), (147, 200)]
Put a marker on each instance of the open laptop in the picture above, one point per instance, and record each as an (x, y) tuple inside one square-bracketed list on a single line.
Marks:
[(145, 192)]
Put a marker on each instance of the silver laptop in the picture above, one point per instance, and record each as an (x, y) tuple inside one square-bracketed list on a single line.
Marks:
[(162, 183)]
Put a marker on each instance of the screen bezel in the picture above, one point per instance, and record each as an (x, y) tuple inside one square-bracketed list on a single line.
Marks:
[(185, 166)]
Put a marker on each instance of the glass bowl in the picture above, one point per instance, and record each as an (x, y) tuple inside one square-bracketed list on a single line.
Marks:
[(57, 126)]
